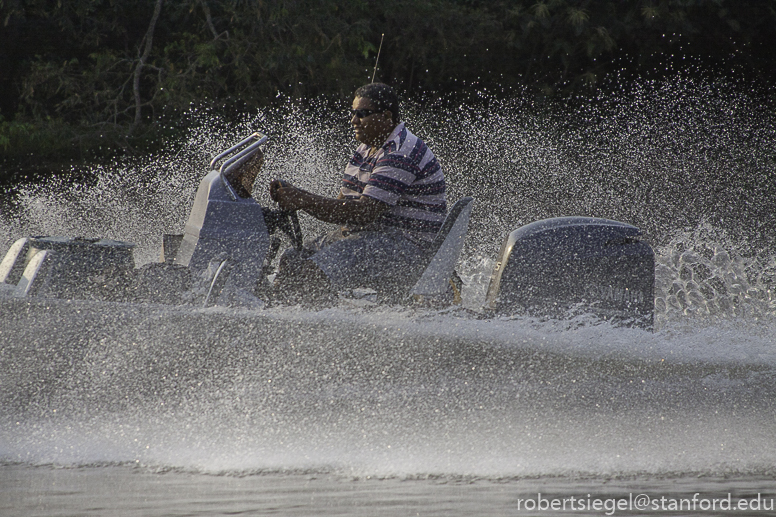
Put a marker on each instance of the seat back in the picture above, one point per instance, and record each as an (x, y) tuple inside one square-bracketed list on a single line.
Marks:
[(444, 251)]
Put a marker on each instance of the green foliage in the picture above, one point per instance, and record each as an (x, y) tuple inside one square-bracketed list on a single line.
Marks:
[(72, 64), (11, 132)]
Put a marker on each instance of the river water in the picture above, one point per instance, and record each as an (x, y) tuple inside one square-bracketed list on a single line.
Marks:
[(117, 409)]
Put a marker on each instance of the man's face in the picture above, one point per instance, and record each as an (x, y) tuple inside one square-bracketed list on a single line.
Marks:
[(372, 129)]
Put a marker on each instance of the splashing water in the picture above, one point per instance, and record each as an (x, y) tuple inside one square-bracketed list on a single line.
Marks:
[(700, 274), (416, 393), (684, 160)]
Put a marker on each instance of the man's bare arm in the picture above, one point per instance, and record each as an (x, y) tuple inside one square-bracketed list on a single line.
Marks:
[(361, 211)]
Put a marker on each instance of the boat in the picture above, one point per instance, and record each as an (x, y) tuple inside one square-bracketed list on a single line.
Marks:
[(554, 267)]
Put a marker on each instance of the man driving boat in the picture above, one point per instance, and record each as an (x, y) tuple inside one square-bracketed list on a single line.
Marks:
[(391, 205)]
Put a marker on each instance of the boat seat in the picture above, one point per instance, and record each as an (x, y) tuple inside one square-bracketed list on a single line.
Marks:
[(444, 251)]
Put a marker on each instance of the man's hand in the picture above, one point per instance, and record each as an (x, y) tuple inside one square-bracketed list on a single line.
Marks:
[(287, 196), (276, 185)]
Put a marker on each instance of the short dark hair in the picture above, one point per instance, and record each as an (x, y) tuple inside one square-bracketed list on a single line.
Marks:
[(382, 96)]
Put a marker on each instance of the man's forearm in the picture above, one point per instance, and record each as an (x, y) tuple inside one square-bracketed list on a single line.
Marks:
[(340, 211)]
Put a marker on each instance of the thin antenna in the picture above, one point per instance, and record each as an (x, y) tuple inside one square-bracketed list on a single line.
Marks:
[(378, 56)]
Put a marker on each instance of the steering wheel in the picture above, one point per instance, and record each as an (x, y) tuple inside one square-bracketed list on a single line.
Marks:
[(285, 221), (295, 231)]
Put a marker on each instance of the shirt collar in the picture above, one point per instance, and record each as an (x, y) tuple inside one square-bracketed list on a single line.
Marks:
[(391, 143), (396, 132)]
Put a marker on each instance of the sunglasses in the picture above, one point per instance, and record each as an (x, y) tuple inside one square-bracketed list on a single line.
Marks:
[(363, 113)]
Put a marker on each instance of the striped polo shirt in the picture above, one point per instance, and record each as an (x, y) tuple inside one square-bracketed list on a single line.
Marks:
[(405, 174)]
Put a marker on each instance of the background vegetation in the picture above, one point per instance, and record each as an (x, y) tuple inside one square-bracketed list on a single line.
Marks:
[(83, 79)]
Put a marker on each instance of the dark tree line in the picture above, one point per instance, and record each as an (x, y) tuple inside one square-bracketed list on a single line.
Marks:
[(81, 77)]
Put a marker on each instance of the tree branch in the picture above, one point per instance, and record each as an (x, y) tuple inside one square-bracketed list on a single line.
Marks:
[(146, 44), (210, 24)]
